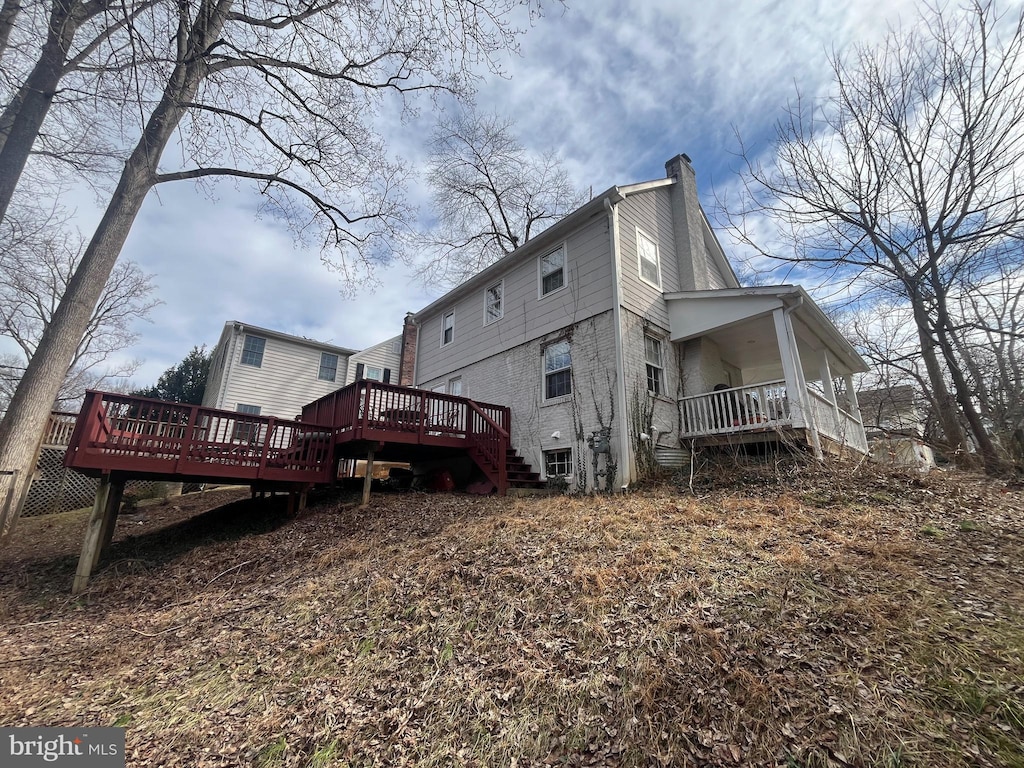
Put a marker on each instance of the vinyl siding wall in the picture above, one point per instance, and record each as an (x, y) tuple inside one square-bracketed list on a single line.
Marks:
[(286, 380), (651, 211), (588, 291), (379, 356)]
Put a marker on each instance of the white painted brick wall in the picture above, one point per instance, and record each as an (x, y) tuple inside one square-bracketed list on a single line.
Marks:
[(515, 378)]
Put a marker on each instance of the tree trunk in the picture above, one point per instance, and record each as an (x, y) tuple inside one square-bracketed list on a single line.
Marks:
[(30, 406), (945, 404), (8, 13), (23, 118), (989, 455)]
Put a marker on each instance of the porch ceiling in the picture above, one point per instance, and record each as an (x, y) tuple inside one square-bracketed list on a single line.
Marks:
[(740, 321)]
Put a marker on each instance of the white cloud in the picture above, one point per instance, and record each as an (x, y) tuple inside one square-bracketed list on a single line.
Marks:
[(616, 88)]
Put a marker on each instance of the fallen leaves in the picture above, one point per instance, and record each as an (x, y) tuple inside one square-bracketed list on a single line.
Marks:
[(807, 622)]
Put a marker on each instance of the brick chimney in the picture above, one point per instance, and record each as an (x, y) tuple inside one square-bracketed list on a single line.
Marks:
[(408, 362), (688, 223)]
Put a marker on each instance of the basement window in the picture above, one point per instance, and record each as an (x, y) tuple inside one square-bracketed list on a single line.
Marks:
[(558, 463)]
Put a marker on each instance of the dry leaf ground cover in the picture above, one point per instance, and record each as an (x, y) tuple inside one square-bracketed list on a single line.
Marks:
[(781, 617)]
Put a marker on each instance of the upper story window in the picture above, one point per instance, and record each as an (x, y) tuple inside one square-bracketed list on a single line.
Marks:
[(647, 254), (494, 303), (328, 367), (552, 271), (557, 370), (447, 328), (252, 351), (373, 372), (652, 353)]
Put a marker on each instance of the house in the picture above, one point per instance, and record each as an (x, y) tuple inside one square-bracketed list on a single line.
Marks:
[(621, 333), (378, 363), (894, 428), (268, 373)]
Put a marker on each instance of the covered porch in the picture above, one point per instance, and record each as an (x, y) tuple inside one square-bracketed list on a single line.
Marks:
[(763, 363)]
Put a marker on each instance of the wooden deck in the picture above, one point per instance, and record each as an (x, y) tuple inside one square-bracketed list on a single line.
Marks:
[(141, 437), (403, 424)]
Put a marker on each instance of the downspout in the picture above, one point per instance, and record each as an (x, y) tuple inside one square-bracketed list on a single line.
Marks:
[(802, 382), (625, 452)]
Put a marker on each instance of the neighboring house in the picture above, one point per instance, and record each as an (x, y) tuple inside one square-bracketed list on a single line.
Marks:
[(894, 427), (269, 373), (379, 362), (622, 329)]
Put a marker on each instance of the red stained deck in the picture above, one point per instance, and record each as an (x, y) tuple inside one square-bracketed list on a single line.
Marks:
[(134, 436)]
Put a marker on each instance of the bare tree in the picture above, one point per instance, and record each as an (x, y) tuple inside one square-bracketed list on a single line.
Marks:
[(490, 195), (279, 93), (905, 182), (34, 274)]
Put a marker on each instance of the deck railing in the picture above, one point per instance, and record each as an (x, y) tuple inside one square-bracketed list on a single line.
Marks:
[(738, 409), (59, 428), (368, 406), (134, 434)]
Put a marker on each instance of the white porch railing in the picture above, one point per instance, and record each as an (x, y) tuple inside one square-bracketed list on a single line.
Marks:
[(764, 406), (835, 423), (739, 409)]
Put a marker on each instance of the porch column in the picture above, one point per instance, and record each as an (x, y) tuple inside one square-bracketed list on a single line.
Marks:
[(796, 386), (825, 371), (851, 397)]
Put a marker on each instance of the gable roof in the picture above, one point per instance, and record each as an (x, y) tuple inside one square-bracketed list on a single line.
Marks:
[(258, 331)]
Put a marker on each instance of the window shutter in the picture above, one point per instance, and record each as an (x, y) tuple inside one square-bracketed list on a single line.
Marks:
[(387, 375), (359, 371)]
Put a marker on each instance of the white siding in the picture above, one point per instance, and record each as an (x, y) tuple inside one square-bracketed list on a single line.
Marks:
[(651, 212), (218, 369), (284, 382), (526, 317), (715, 277), (379, 356)]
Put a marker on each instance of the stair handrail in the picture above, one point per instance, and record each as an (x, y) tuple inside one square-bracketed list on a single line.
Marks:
[(498, 435)]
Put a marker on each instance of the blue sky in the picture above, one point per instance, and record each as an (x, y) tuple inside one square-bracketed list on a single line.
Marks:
[(615, 88)]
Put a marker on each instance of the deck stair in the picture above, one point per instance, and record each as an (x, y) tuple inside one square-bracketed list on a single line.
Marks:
[(520, 474)]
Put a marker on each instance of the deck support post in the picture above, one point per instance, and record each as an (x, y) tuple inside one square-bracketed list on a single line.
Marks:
[(100, 530), (368, 480)]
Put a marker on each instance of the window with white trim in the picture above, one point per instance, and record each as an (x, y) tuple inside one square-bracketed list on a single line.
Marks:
[(447, 328), (652, 354), (557, 370), (647, 255), (558, 462), (455, 386), (246, 431), (252, 351), (552, 271), (328, 367), (494, 303), (373, 372)]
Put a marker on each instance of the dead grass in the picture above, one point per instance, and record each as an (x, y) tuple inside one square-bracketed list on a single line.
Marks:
[(798, 619)]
